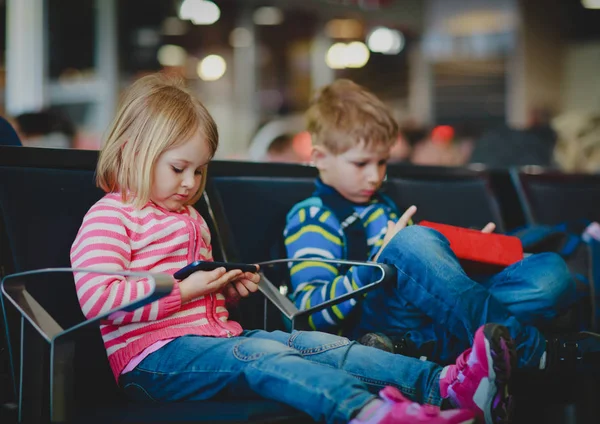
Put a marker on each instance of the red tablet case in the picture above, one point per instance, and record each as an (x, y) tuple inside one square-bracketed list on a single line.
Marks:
[(479, 251)]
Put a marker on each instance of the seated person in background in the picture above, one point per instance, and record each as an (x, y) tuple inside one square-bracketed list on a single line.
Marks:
[(282, 150), (578, 143), (503, 146), (183, 347), (411, 134), (434, 308), (441, 148), (47, 128)]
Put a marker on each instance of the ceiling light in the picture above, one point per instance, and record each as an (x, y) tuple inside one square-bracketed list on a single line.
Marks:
[(385, 40), (200, 12), (212, 67), (171, 55), (591, 4)]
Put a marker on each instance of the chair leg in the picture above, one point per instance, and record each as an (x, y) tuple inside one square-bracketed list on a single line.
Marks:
[(62, 381), (33, 397)]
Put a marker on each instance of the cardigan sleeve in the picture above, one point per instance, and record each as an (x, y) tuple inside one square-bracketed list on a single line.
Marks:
[(103, 243)]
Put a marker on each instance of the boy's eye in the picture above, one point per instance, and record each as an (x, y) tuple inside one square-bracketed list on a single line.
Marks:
[(198, 172), (383, 162), (360, 164), (177, 170)]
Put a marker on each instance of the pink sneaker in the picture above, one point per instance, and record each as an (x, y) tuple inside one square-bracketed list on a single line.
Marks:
[(396, 409), (479, 380)]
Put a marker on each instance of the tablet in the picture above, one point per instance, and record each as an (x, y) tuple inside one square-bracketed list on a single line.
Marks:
[(184, 272)]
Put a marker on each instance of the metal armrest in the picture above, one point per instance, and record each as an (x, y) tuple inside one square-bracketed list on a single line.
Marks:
[(61, 349), (287, 308), (15, 291)]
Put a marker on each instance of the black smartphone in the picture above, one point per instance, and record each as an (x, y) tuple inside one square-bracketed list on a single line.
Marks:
[(209, 266)]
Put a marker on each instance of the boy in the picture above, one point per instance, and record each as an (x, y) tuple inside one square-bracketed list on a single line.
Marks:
[(434, 308)]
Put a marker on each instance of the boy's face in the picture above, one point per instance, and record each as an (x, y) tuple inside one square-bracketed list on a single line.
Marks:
[(357, 173), (178, 173)]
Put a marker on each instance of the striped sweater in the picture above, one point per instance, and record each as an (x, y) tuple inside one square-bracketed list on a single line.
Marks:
[(313, 231), (115, 236)]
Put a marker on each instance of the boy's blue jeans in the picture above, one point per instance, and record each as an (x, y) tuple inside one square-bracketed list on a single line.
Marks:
[(328, 377), (434, 301)]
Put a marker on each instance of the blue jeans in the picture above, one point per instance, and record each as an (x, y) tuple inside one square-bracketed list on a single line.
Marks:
[(436, 305), (328, 377)]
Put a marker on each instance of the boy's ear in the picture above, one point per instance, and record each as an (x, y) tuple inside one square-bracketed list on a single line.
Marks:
[(318, 156)]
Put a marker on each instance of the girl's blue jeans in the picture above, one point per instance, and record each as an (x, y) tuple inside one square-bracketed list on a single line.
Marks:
[(435, 303), (328, 377)]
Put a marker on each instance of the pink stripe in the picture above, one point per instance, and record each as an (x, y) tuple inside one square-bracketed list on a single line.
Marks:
[(86, 234), (101, 285), (155, 326), (162, 252), (101, 247), (101, 301)]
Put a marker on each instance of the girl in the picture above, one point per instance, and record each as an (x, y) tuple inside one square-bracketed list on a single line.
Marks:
[(183, 347)]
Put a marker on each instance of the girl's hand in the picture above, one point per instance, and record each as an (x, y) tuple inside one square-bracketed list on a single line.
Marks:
[(393, 229), (201, 283), (243, 285)]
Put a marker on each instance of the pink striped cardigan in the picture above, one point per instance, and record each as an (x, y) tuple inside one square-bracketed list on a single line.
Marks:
[(116, 236)]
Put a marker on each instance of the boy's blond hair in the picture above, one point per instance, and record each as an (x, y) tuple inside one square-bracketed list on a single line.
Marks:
[(156, 114), (577, 146), (344, 114)]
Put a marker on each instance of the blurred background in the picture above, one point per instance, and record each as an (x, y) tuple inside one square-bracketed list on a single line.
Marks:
[(498, 82)]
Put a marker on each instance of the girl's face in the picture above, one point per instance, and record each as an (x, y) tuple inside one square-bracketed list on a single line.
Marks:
[(178, 173)]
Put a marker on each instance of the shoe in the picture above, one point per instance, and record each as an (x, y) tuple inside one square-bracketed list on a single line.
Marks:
[(575, 352), (479, 379), (378, 341), (399, 410)]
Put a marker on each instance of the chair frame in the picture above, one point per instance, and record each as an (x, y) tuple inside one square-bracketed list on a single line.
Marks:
[(54, 336)]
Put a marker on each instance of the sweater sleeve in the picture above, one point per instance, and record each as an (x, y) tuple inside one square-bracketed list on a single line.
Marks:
[(103, 242), (315, 233)]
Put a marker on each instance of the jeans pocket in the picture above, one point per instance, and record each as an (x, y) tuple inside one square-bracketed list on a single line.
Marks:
[(315, 342), (137, 393)]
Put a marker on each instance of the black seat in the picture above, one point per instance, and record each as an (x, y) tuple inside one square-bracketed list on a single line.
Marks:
[(550, 197), (44, 194), (455, 196)]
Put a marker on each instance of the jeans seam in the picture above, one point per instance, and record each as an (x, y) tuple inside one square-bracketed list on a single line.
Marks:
[(141, 388), (434, 398)]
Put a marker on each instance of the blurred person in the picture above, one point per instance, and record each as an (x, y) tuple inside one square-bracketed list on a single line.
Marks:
[(578, 142), (281, 150), (441, 148), (409, 136), (46, 128), (288, 148), (504, 146)]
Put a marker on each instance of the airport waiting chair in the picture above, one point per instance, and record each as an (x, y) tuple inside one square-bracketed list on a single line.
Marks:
[(455, 196), (60, 370), (550, 197)]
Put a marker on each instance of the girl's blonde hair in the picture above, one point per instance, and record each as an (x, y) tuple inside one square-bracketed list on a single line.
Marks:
[(156, 114), (577, 146)]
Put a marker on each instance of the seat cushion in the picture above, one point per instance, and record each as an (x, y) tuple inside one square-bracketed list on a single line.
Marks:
[(258, 411)]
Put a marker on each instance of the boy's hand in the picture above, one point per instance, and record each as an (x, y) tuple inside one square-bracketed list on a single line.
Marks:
[(201, 283), (489, 228), (244, 285), (392, 229)]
